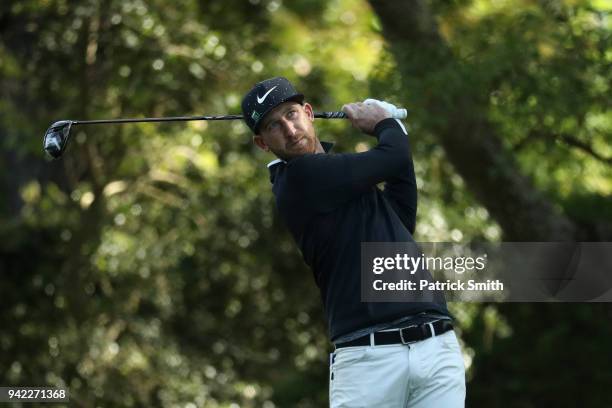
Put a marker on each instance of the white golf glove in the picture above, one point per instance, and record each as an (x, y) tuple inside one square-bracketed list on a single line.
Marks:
[(393, 110)]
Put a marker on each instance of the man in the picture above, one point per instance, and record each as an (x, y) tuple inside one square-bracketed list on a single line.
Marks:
[(387, 354)]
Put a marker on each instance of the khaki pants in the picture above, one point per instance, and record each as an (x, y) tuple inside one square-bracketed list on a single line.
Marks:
[(425, 374)]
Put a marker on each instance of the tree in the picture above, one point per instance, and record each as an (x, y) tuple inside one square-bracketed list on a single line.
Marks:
[(494, 62), (147, 267)]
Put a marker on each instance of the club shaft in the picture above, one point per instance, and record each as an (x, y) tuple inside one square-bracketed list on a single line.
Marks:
[(322, 115)]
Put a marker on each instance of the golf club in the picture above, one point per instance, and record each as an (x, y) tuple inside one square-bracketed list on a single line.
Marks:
[(58, 134)]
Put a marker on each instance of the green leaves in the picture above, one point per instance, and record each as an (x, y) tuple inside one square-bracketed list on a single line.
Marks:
[(148, 266)]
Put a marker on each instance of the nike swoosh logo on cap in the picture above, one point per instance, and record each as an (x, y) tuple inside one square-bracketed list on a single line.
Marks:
[(263, 98)]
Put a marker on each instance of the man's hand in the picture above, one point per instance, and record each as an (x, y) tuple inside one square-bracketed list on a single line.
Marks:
[(393, 110), (365, 116)]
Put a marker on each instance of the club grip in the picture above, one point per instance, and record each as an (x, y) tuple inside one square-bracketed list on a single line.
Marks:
[(397, 113), (330, 115)]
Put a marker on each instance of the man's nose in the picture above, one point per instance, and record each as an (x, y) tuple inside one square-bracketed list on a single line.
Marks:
[(288, 128)]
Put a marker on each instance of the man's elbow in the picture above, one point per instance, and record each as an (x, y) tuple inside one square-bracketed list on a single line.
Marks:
[(397, 158)]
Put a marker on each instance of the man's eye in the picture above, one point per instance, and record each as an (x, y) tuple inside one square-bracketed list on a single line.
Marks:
[(272, 125), (291, 114)]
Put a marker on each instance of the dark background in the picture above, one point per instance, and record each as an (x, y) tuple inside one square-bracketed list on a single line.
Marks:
[(147, 267)]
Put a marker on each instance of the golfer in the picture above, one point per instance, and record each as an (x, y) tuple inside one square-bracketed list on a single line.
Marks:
[(387, 354)]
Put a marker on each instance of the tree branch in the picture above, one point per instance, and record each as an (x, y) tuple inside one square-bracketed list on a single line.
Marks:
[(585, 147), (565, 138)]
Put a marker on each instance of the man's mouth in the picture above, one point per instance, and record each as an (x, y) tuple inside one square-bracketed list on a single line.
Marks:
[(294, 144)]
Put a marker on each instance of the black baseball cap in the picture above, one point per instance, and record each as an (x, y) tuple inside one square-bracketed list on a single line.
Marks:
[(265, 96)]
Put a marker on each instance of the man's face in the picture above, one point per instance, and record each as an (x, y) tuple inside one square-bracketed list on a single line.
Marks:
[(287, 131)]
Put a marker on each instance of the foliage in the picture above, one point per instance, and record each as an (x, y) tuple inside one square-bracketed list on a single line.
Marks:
[(148, 267)]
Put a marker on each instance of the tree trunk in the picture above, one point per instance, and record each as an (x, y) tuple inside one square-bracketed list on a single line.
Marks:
[(470, 140)]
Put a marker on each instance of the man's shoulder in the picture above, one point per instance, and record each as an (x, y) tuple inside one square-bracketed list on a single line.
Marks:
[(301, 169)]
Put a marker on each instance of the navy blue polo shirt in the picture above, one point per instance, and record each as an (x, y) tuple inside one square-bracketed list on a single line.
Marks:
[(331, 203)]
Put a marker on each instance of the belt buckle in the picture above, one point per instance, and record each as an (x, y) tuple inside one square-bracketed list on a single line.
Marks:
[(402, 334)]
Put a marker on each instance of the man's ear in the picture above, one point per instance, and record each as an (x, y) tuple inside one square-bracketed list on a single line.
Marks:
[(258, 140), (308, 109)]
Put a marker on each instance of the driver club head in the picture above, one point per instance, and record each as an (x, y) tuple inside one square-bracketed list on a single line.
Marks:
[(56, 138)]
